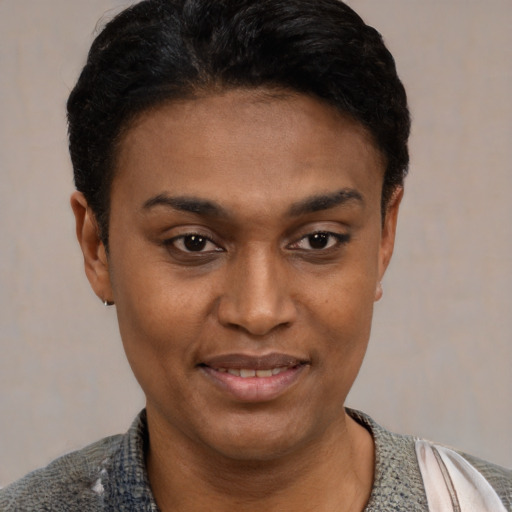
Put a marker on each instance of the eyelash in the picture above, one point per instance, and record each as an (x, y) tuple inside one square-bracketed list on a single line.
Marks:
[(172, 243), (340, 239)]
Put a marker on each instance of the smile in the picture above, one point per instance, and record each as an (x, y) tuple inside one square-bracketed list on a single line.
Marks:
[(254, 379), (248, 373)]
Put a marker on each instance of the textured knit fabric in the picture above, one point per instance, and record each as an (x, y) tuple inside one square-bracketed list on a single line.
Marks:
[(110, 475)]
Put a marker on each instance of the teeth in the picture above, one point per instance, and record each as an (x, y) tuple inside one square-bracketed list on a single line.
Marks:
[(264, 373), (247, 373)]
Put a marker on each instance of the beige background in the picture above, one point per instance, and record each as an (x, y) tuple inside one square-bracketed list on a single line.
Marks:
[(440, 359)]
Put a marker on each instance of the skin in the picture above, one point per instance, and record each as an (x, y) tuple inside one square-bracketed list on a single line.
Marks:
[(257, 286)]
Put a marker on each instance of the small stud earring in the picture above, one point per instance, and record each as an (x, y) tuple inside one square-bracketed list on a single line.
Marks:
[(107, 303), (378, 292)]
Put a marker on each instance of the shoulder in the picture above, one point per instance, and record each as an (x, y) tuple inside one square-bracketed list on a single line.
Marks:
[(397, 484), (421, 472), (71, 482), (465, 481), (499, 478)]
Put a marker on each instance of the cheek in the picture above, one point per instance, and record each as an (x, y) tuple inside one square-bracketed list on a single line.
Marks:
[(346, 297), (344, 316), (160, 335), (160, 320), (348, 325)]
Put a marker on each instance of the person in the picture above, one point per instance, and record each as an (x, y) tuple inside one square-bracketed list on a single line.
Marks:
[(239, 167)]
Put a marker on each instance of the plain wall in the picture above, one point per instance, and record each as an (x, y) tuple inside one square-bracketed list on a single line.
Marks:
[(439, 363)]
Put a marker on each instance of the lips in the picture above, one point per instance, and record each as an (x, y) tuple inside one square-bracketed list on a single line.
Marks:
[(239, 361), (247, 373), (249, 378)]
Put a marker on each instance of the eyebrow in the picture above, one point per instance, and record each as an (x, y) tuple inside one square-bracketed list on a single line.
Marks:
[(325, 202), (212, 209), (186, 204)]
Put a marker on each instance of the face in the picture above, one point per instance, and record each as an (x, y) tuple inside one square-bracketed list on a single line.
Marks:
[(246, 250)]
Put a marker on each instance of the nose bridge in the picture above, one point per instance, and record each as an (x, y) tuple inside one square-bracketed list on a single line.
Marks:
[(257, 295)]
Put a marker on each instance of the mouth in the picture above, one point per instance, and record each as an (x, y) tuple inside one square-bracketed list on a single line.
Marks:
[(247, 373), (254, 379)]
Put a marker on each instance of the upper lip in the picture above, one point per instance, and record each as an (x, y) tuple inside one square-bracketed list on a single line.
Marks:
[(250, 362)]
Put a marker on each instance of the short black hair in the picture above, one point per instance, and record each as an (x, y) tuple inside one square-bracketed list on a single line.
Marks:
[(158, 50)]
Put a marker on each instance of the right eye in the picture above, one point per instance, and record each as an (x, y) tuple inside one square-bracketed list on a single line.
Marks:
[(194, 243)]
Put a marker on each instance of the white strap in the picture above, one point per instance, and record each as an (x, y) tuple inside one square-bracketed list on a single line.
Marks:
[(452, 484)]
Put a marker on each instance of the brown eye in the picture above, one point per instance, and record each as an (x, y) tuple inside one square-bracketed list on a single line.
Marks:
[(194, 243), (319, 240)]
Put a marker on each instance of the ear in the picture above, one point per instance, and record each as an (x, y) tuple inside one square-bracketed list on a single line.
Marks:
[(387, 241), (95, 256)]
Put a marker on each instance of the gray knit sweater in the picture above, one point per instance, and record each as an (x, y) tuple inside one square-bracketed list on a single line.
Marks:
[(110, 475)]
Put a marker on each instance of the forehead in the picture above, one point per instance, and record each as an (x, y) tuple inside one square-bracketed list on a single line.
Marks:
[(241, 145)]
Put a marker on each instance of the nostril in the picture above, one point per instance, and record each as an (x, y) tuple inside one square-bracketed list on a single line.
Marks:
[(258, 328)]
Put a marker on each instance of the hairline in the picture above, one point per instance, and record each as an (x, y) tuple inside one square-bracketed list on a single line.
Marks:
[(265, 92)]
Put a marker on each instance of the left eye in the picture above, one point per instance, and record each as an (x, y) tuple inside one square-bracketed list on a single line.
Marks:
[(194, 243), (319, 241)]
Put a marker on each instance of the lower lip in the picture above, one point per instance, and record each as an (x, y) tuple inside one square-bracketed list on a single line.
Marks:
[(255, 389)]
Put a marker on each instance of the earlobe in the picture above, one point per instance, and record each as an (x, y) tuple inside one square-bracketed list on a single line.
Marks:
[(378, 292), (387, 242), (95, 256)]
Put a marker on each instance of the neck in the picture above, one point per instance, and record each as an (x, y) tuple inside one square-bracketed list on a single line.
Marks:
[(331, 473)]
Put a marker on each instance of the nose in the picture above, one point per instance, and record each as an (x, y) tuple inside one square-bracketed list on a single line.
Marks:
[(256, 295)]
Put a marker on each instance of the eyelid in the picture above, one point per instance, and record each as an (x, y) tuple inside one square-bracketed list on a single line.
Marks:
[(341, 239), (170, 242)]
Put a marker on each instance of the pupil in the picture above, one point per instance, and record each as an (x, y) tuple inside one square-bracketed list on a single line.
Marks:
[(319, 240), (195, 243)]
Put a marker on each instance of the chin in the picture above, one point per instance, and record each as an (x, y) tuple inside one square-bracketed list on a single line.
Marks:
[(259, 440)]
